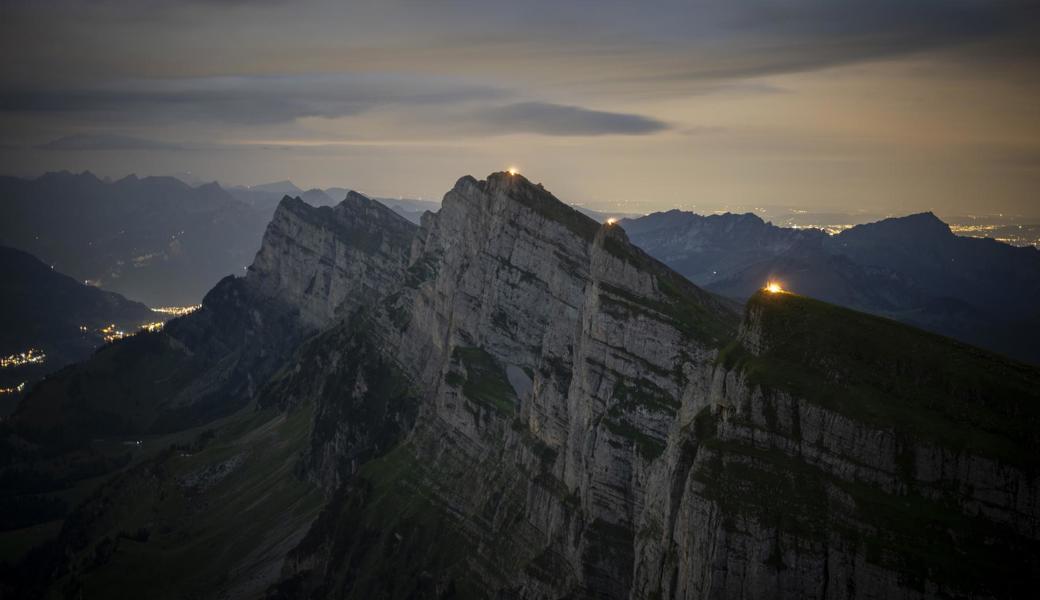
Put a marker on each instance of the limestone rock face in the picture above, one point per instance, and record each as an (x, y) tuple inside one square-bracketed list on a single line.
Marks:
[(582, 433), (325, 258)]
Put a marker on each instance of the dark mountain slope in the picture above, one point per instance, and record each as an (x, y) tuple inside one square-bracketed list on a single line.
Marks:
[(42, 309), (41, 305)]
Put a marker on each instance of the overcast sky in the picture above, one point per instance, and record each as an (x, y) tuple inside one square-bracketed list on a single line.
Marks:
[(884, 106)]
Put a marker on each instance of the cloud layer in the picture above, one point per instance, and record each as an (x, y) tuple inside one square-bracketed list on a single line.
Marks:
[(886, 101)]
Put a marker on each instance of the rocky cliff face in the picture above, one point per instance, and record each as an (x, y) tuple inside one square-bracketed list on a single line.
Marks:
[(325, 259), (582, 433), (513, 401)]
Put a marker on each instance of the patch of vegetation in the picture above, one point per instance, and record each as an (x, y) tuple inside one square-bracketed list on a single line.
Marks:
[(645, 394), (625, 251), (398, 313), (609, 543), (390, 534), (548, 206), (684, 308), (148, 533), (424, 269), (648, 447), (485, 380)]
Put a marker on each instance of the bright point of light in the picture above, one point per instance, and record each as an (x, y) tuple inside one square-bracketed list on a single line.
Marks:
[(774, 287), (611, 221), (513, 171)]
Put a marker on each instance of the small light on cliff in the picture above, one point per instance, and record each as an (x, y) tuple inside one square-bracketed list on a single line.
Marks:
[(774, 287), (513, 171), (611, 221)]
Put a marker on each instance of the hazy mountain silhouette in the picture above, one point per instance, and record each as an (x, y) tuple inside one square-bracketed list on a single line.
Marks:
[(911, 268), (153, 239)]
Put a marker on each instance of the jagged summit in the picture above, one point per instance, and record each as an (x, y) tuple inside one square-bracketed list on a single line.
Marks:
[(502, 188), (359, 199)]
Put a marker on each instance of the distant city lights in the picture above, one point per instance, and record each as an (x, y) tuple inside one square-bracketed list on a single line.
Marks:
[(31, 356), (177, 311), (13, 390)]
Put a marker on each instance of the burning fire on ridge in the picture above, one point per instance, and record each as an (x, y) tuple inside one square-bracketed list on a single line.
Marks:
[(774, 287)]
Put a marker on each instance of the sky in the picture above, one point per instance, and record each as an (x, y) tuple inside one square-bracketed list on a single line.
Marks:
[(883, 106)]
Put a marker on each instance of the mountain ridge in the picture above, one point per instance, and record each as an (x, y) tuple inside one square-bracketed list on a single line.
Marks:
[(525, 404)]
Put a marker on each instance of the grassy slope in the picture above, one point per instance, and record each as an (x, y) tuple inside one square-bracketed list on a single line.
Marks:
[(895, 376), (217, 515)]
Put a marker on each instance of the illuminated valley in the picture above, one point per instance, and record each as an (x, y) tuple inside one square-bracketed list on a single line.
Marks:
[(112, 332)]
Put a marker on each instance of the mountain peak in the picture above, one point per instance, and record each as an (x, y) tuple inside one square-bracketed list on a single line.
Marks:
[(68, 175), (910, 226), (501, 188), (359, 199), (924, 219), (277, 187)]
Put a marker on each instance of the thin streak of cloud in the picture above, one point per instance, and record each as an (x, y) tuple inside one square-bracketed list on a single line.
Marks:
[(245, 100), (556, 119), (101, 142)]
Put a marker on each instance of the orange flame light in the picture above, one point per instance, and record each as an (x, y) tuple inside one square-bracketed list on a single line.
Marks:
[(774, 287)]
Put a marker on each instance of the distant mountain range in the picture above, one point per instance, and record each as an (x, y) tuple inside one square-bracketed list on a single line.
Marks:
[(153, 239), (159, 240), (911, 268), (45, 311)]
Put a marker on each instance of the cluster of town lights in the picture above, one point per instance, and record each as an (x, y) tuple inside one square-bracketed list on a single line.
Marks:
[(111, 333), (31, 356), (13, 390), (177, 311)]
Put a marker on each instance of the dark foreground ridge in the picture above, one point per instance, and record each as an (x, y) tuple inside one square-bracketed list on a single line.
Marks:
[(512, 400)]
